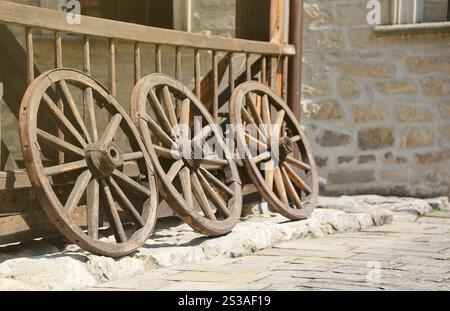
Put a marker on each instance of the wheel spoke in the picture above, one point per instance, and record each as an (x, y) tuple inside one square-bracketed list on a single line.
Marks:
[(269, 174), (297, 163), (185, 112), (59, 144), (262, 157), (93, 208), (159, 112), (119, 231), (279, 184), (65, 168), (89, 113), (215, 197), (133, 156), (185, 178), (77, 191), (111, 129), (251, 104), (204, 133), (174, 169), (169, 106), (298, 181), (201, 198), (248, 118), (279, 123), (266, 114), (160, 134), (216, 182), (74, 109), (126, 202), (131, 183), (295, 139), (166, 153), (214, 163), (256, 141), (62, 121), (292, 193)]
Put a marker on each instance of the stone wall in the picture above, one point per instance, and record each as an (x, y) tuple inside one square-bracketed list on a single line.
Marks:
[(376, 108)]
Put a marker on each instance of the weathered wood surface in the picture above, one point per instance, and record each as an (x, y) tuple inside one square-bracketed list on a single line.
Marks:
[(29, 16)]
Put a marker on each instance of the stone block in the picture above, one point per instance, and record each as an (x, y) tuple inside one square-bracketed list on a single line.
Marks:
[(433, 157), (417, 137), (413, 114), (444, 109), (428, 64), (364, 70), (375, 138), (352, 177), (333, 139), (436, 87), (327, 110), (372, 112), (397, 87), (347, 89)]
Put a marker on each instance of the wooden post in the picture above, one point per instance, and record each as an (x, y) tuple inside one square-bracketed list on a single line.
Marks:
[(264, 20), (295, 63)]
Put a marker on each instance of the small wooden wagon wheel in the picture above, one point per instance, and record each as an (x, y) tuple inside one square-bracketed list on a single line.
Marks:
[(276, 152), (94, 166), (203, 189)]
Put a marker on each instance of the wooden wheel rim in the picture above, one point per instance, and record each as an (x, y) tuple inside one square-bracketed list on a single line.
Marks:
[(176, 201), (238, 101), (40, 181)]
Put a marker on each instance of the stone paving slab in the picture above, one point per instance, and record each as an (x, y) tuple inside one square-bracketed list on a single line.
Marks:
[(393, 260), (308, 253)]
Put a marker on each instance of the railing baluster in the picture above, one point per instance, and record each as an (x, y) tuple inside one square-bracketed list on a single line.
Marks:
[(248, 68), (264, 70), (88, 97), (197, 74), (58, 50), (273, 73), (178, 74), (215, 64), (87, 55), (231, 74), (137, 62), (30, 55), (112, 67), (158, 60), (178, 63), (285, 77), (59, 64)]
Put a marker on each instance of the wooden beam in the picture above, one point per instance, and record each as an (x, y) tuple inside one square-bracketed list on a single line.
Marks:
[(35, 17), (295, 63)]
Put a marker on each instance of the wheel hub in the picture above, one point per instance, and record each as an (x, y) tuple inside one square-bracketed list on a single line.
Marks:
[(103, 159)]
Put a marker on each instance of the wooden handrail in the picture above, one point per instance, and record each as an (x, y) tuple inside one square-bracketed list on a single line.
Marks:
[(35, 17)]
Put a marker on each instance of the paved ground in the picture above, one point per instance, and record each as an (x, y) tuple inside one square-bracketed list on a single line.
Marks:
[(410, 254)]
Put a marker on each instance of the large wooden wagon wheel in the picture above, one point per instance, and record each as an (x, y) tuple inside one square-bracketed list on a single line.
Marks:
[(275, 149), (87, 163), (203, 189)]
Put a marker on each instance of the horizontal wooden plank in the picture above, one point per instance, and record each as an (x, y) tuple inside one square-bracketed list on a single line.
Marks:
[(29, 16), (19, 179)]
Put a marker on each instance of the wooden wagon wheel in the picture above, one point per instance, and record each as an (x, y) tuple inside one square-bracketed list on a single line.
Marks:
[(203, 190), (275, 149), (98, 167)]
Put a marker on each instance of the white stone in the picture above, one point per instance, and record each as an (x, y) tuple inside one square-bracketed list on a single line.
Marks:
[(107, 269), (55, 273)]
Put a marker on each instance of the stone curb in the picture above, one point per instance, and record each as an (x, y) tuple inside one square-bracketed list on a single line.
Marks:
[(42, 266)]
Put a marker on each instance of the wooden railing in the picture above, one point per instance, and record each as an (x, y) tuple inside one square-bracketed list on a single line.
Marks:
[(269, 56)]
